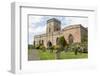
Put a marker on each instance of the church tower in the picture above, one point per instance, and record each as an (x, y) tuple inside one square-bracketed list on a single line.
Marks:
[(53, 25)]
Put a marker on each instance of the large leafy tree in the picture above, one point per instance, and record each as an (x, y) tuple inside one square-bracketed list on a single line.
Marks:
[(85, 42), (61, 44), (62, 41)]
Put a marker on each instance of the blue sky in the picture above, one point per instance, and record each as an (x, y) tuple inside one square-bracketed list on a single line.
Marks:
[(37, 24)]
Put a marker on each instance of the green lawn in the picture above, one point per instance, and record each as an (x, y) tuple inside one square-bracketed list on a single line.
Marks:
[(71, 55), (46, 55), (64, 55)]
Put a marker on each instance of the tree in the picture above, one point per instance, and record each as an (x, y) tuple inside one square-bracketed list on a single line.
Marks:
[(42, 47), (85, 43), (62, 41), (61, 44), (85, 38), (49, 46)]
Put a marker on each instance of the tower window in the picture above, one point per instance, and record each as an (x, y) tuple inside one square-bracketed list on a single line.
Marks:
[(49, 30)]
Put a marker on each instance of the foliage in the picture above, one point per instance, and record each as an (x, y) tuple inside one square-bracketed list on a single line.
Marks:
[(62, 42), (30, 46), (85, 47), (37, 47), (46, 55), (55, 47), (63, 55), (66, 48), (85, 38), (42, 47), (49, 44), (80, 47)]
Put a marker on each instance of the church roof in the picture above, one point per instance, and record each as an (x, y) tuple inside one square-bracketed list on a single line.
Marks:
[(74, 26)]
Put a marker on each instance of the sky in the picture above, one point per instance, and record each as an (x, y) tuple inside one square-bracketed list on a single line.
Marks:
[(37, 24)]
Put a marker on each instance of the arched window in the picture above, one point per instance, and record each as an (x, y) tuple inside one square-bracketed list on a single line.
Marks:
[(70, 38), (42, 42), (49, 44)]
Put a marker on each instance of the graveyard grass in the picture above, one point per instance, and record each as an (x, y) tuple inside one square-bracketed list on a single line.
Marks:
[(46, 55)]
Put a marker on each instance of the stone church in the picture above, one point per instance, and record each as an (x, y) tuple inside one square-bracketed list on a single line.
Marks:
[(72, 33)]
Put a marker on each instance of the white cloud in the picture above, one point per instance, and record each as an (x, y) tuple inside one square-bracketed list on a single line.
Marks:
[(35, 19), (39, 30), (75, 20), (36, 31)]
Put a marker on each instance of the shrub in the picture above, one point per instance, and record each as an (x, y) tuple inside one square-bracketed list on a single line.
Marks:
[(42, 47), (62, 42), (55, 47), (66, 48), (37, 47)]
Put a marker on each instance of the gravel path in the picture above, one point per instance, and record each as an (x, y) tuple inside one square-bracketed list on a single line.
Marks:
[(33, 55)]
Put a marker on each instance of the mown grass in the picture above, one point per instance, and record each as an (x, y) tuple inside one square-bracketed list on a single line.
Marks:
[(71, 55), (64, 55), (47, 55)]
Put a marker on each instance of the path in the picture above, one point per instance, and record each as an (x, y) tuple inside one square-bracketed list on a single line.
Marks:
[(33, 55)]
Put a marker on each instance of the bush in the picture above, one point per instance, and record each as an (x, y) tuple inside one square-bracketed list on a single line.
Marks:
[(42, 47), (55, 47), (66, 48), (37, 47), (62, 42), (85, 47)]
